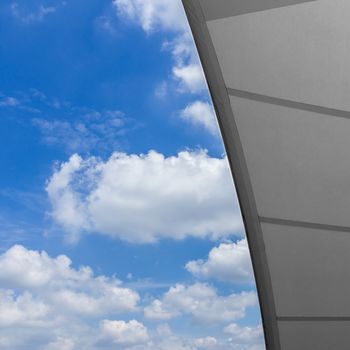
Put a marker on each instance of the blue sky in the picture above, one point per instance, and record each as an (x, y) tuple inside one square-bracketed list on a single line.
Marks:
[(117, 209)]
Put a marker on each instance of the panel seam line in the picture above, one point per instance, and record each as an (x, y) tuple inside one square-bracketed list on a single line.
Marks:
[(304, 224), (288, 103), (312, 318)]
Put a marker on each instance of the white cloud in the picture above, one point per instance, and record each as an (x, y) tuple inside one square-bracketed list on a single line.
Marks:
[(22, 309), (202, 114), (190, 77), (61, 344), (57, 285), (205, 343), (154, 14), (169, 16), (142, 198), (229, 262), (125, 333), (244, 334), (47, 304), (92, 131), (36, 16), (8, 101), (161, 90), (202, 303), (245, 338)]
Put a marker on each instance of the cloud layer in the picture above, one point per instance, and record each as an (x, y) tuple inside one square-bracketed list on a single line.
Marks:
[(46, 304), (143, 198), (59, 287)]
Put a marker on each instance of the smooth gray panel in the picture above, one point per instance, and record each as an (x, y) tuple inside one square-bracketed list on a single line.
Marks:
[(310, 270), (299, 53), (299, 162), (315, 335), (214, 9)]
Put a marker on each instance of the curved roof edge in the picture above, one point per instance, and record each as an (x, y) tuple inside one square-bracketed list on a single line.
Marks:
[(237, 162)]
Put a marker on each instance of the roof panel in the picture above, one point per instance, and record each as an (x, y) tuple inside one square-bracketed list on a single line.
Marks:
[(312, 335), (299, 162), (266, 52), (215, 9), (306, 277)]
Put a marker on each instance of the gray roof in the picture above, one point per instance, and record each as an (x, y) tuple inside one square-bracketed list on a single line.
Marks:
[(279, 75)]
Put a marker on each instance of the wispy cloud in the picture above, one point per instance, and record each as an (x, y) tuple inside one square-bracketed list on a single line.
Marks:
[(8, 101), (98, 131), (168, 16), (16, 232), (19, 102), (186, 72), (33, 201), (153, 15), (26, 17), (72, 128)]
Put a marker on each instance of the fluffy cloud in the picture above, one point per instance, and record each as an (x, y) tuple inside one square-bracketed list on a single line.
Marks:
[(142, 198), (202, 303), (165, 339), (244, 334), (244, 338), (125, 333), (190, 77), (19, 310), (229, 262), (59, 287), (47, 304), (202, 114), (205, 343)]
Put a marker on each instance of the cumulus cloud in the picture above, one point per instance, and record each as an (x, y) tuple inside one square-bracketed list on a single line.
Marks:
[(60, 288), (202, 114), (229, 262), (205, 343), (245, 338), (125, 333), (190, 77), (143, 198), (47, 304), (21, 309), (244, 334), (202, 303)]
